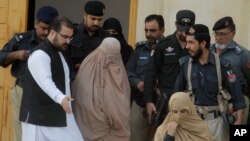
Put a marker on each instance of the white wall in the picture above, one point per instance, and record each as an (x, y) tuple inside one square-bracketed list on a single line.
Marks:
[(207, 12)]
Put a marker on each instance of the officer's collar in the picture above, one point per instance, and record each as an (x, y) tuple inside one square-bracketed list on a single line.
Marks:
[(210, 60), (148, 46), (231, 45), (33, 38), (84, 30)]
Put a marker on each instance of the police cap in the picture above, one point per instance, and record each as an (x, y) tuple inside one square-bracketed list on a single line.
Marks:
[(200, 32), (46, 14), (95, 8), (223, 23), (198, 29), (184, 19)]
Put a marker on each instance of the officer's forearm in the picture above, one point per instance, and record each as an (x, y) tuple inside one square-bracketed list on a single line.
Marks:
[(11, 57), (239, 115)]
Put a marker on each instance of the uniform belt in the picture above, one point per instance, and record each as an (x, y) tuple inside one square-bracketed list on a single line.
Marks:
[(210, 115)]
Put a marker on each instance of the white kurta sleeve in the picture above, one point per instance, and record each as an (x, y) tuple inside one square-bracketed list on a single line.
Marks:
[(39, 67)]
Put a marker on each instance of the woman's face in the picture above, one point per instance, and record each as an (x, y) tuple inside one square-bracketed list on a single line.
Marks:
[(179, 112)]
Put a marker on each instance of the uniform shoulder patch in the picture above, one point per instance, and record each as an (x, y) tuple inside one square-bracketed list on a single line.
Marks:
[(141, 43), (184, 59), (238, 50), (21, 36)]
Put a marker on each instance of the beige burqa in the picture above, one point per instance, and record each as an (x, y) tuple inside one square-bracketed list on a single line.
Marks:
[(190, 126), (102, 95)]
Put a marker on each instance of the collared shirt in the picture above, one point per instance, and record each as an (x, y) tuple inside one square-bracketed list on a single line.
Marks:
[(205, 82), (163, 67), (239, 58), (138, 63), (22, 41), (82, 44)]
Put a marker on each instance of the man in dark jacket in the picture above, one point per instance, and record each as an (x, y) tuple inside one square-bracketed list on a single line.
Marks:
[(89, 34), (163, 68)]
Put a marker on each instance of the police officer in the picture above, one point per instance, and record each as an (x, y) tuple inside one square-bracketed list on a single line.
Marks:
[(164, 65), (226, 47), (204, 81), (89, 33), (136, 68), (16, 51)]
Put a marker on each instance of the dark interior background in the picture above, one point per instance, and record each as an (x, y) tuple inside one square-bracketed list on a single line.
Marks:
[(74, 10)]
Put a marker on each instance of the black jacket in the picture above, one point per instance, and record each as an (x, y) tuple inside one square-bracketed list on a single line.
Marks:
[(163, 67)]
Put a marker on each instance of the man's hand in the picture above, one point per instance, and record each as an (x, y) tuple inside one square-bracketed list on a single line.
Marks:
[(77, 66), (150, 110), (140, 86), (66, 104), (239, 117), (22, 55)]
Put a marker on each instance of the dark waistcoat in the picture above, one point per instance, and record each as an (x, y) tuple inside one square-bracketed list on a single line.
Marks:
[(37, 107)]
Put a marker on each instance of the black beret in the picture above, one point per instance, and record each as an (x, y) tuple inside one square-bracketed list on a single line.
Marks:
[(198, 29), (112, 23), (223, 23), (185, 19), (46, 14), (95, 8)]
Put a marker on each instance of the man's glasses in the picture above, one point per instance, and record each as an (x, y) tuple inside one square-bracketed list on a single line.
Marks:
[(65, 36), (221, 34)]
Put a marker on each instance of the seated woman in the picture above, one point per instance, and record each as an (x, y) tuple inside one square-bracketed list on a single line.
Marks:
[(182, 122)]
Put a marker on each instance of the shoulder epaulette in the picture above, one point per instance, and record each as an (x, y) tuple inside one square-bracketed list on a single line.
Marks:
[(22, 36), (238, 50), (18, 38), (141, 43), (183, 59)]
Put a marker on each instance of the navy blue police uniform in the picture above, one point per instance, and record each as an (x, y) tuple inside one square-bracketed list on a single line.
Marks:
[(136, 69)]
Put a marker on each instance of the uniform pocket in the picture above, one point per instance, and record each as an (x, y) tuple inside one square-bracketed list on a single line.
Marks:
[(212, 84)]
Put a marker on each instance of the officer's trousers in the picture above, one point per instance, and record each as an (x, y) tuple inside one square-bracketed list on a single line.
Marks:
[(138, 124), (17, 93), (218, 129)]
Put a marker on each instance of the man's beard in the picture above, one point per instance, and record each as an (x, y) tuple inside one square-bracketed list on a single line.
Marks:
[(59, 47), (182, 38), (220, 46), (93, 28), (197, 54)]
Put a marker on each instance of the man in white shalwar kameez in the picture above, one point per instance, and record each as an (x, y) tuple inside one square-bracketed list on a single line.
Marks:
[(46, 112)]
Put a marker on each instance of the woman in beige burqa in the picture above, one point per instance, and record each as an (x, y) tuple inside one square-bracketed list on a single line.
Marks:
[(102, 95), (182, 122)]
